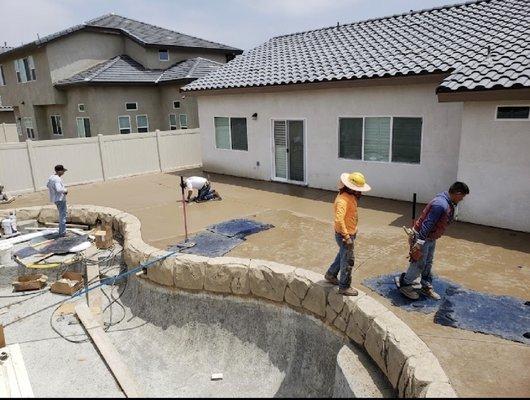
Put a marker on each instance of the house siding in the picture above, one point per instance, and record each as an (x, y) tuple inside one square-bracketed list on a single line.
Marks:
[(321, 109)]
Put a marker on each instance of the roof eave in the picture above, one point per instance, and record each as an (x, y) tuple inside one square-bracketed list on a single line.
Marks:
[(516, 92)]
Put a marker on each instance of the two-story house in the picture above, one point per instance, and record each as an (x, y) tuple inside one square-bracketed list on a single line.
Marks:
[(109, 75)]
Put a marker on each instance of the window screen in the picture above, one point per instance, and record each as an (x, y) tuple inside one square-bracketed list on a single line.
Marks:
[(183, 121), (172, 122), (56, 125), (351, 138), (377, 139), (406, 140), (514, 112), (238, 131), (124, 124), (142, 123), (222, 132)]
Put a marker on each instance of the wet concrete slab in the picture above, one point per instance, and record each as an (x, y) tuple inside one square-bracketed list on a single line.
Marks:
[(495, 261)]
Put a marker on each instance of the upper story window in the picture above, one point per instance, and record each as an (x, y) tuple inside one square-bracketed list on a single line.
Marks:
[(176, 104), (513, 112), (81, 107), (124, 124), (142, 123), (131, 106), (183, 121), (57, 127), (28, 126), (163, 55), (25, 69), (2, 76)]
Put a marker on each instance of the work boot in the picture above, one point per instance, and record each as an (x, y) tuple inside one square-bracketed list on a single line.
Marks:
[(409, 292), (348, 292), (331, 279), (429, 292)]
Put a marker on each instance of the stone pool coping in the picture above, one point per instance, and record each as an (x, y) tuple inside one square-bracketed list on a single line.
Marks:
[(410, 366)]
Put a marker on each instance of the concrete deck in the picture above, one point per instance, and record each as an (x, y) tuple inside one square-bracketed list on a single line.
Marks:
[(481, 258)]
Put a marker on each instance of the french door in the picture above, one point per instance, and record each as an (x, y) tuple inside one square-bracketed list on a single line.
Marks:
[(288, 150)]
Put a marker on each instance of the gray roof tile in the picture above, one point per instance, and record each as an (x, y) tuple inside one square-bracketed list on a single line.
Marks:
[(444, 39), (123, 69)]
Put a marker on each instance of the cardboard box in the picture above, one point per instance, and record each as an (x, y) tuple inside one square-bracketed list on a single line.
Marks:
[(30, 282), (69, 283), (104, 237)]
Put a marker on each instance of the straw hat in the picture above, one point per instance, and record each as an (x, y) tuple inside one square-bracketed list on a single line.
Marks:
[(354, 181)]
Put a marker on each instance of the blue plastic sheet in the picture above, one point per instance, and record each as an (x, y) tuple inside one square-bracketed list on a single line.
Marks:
[(209, 244), (239, 227), (502, 316), (385, 286)]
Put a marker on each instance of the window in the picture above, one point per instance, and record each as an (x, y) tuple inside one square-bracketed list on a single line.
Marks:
[(28, 127), (25, 69), (351, 138), (19, 126), (406, 140), (176, 104), (83, 127), (131, 106), (183, 121), (57, 127), (231, 133), (163, 55), (513, 112), (81, 107), (395, 139), (124, 124), (142, 123), (173, 122), (2, 76)]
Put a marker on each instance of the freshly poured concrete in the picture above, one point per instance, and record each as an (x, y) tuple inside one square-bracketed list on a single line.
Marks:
[(178, 340), (487, 259)]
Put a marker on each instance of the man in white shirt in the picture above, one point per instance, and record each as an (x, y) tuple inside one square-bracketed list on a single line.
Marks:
[(205, 192), (58, 194)]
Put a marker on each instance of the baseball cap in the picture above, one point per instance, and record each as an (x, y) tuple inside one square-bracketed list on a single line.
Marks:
[(60, 168)]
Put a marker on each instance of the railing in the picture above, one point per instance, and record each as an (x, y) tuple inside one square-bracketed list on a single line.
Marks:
[(25, 167)]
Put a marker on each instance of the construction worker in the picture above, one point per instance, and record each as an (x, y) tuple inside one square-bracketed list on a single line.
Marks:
[(429, 227), (203, 187), (58, 193), (351, 187), (4, 198)]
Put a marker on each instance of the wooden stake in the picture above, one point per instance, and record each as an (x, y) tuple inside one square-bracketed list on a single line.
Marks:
[(2, 337)]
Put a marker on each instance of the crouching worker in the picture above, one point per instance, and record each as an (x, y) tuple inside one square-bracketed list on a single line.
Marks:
[(203, 187), (351, 187), (429, 227), (4, 198)]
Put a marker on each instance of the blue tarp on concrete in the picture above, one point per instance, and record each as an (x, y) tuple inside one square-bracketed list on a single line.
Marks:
[(210, 244), (502, 316), (239, 227), (385, 286)]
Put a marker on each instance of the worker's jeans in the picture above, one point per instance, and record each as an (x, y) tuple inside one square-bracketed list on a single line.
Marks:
[(61, 207), (341, 264), (422, 267), (205, 193)]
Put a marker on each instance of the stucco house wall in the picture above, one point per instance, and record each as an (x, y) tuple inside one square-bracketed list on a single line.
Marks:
[(495, 163), (321, 110), (188, 105)]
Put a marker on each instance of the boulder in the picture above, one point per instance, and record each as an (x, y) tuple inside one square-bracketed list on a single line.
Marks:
[(365, 309), (162, 272), (189, 271), (291, 298), (418, 373), (227, 275), (269, 279)]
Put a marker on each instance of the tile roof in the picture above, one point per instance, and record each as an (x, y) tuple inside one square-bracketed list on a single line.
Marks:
[(123, 69), (442, 39), (141, 32), (5, 48)]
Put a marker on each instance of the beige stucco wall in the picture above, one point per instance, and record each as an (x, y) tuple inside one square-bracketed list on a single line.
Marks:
[(321, 109), (188, 105), (494, 162), (81, 50)]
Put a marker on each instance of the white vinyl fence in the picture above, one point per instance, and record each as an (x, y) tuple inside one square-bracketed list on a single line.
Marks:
[(25, 167), (8, 133)]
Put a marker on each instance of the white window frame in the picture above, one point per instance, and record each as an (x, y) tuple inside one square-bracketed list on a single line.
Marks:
[(77, 125), (273, 159), (391, 137), (176, 122), (159, 55), (79, 107), (60, 125), (180, 124), (131, 109), (20, 70), (138, 126), (34, 133), (176, 108), (130, 126), (2, 76), (511, 119)]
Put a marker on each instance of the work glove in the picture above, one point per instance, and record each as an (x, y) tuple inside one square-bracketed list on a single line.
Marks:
[(415, 253)]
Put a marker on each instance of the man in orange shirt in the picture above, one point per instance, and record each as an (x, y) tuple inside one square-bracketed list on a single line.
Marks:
[(351, 187)]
